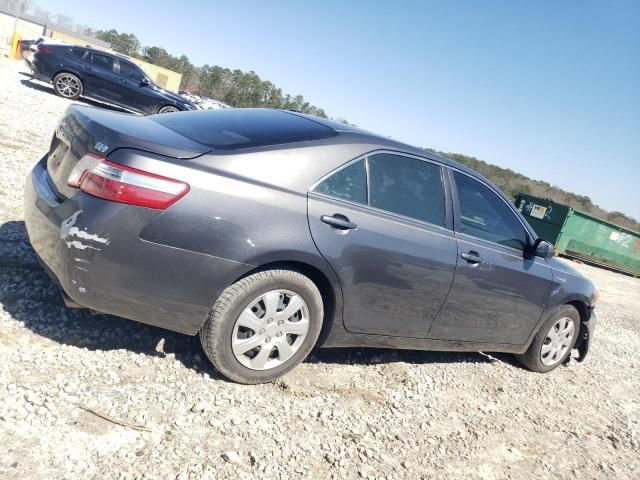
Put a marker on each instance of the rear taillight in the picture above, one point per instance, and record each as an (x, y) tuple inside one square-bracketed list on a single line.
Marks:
[(86, 163), (103, 179), (44, 50)]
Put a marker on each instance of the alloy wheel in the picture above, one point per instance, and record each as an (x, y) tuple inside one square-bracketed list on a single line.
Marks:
[(68, 86), (270, 330), (557, 341), (168, 109)]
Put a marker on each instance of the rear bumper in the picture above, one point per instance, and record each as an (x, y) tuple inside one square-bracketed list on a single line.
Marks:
[(37, 68), (587, 330), (92, 250)]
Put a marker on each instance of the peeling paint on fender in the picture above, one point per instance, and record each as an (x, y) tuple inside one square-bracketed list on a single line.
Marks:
[(69, 230)]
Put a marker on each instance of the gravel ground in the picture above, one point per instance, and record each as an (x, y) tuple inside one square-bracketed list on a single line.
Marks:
[(342, 414)]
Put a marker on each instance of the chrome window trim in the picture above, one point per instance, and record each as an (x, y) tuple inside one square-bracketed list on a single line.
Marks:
[(365, 157), (420, 223), (375, 152)]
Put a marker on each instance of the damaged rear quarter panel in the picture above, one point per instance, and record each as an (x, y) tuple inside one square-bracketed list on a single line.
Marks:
[(80, 239), (116, 271)]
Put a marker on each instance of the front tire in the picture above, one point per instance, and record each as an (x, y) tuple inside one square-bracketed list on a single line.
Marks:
[(68, 85), (168, 109), (554, 341), (263, 326)]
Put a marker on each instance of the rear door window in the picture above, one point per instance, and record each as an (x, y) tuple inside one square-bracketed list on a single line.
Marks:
[(484, 215), (350, 184), (397, 184), (77, 53), (407, 186)]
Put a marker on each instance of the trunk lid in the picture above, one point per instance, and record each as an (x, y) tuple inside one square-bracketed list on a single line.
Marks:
[(85, 130)]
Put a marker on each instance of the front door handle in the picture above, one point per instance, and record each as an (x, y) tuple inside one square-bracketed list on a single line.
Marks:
[(338, 221), (472, 257), (122, 80)]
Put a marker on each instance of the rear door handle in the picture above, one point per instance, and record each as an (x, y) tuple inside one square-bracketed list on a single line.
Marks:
[(338, 221), (472, 257)]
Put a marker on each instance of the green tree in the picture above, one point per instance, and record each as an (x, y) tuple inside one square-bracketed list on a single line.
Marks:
[(125, 43), (156, 55)]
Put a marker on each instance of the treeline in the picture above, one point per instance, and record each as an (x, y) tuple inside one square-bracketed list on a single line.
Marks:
[(234, 87), (513, 183)]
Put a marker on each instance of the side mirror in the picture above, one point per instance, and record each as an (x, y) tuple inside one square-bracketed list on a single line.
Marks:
[(543, 249), (145, 81)]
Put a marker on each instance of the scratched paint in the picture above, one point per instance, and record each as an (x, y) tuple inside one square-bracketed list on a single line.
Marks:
[(80, 239)]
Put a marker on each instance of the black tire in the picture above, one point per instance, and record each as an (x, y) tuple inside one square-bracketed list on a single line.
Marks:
[(532, 358), (61, 90), (218, 330), (168, 109)]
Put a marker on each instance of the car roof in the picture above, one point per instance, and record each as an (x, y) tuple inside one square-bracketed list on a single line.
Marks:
[(60, 43), (365, 136), (247, 130), (243, 128), (239, 129)]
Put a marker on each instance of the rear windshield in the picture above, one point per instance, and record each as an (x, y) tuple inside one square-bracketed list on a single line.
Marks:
[(243, 127)]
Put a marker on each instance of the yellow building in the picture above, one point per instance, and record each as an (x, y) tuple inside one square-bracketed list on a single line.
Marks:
[(162, 76)]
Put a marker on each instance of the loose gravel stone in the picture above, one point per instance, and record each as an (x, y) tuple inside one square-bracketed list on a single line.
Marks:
[(200, 407), (350, 413), (232, 457)]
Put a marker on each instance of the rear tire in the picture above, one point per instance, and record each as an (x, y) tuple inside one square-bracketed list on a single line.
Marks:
[(68, 85), (554, 341), (263, 326)]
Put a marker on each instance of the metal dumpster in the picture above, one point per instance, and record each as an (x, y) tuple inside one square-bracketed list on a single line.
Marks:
[(579, 235)]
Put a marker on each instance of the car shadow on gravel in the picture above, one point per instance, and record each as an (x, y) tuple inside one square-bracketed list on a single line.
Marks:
[(372, 356), (35, 85), (29, 295)]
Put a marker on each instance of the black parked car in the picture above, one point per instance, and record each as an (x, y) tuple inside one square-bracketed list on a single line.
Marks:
[(79, 71), (270, 232)]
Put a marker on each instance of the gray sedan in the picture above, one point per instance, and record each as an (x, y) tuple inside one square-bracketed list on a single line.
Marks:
[(270, 232)]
